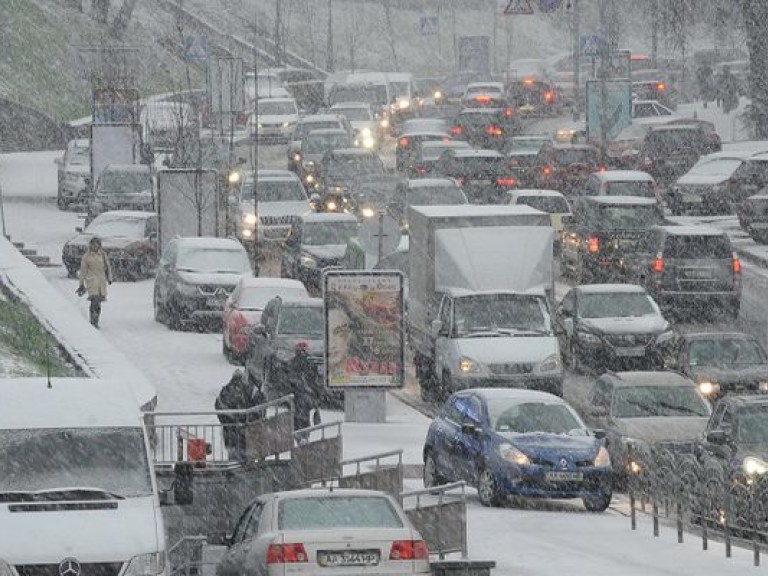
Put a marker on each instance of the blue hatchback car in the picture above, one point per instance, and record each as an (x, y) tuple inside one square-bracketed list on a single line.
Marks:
[(508, 441)]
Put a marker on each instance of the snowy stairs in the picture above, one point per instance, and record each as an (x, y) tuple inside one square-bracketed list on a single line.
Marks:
[(31, 254)]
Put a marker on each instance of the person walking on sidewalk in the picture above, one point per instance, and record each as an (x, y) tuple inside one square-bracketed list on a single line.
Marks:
[(95, 274)]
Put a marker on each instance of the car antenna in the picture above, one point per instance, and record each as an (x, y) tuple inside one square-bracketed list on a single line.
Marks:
[(48, 366)]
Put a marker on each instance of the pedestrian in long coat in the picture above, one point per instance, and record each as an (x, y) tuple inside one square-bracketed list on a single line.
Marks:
[(95, 275)]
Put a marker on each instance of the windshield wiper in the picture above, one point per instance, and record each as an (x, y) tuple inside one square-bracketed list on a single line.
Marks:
[(187, 270), (520, 331), (682, 409), (60, 494)]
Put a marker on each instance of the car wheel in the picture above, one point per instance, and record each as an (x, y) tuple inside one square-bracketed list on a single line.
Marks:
[(61, 203), (598, 503), (173, 314), (430, 475), (160, 314), (488, 488)]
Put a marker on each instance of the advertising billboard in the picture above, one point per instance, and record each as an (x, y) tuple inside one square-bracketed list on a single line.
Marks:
[(617, 109), (364, 330)]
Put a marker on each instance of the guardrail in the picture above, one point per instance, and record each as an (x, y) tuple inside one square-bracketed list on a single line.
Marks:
[(440, 515), (373, 473), (699, 494)]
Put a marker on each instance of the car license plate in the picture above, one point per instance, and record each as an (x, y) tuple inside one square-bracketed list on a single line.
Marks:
[(214, 302), (759, 225), (559, 476), (630, 352), (698, 274), (692, 199), (348, 558)]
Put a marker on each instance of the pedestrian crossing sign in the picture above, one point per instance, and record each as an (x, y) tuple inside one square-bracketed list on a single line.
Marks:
[(518, 7)]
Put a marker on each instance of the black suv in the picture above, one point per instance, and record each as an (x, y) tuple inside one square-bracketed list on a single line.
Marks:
[(753, 216), (289, 327), (423, 192), (485, 127), (194, 278), (668, 152), (316, 242), (603, 235), (484, 175), (690, 269)]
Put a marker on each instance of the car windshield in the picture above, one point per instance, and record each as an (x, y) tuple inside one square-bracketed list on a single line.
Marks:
[(575, 156), (282, 108), (753, 425), (304, 128), (213, 260), (79, 155), (317, 513), (654, 401), (301, 321), (431, 151), (374, 94), (436, 196), (630, 188), (321, 144), (618, 217), (725, 352), (697, 247), (517, 144), (354, 114), (479, 168), (326, 233), (548, 204), (275, 191), (253, 298), (500, 314), (353, 166), (113, 460), (506, 415), (673, 141), (399, 88), (723, 167), (115, 182), (108, 226), (615, 305)]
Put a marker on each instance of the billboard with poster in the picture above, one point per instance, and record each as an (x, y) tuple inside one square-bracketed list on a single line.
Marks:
[(364, 330)]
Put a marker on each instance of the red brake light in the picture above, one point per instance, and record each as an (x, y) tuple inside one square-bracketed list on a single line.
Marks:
[(602, 168), (549, 97), (420, 170), (286, 554), (658, 265), (460, 181), (482, 99), (528, 81), (408, 550), (593, 244), (492, 130), (403, 142), (509, 181), (547, 170), (661, 87), (508, 112), (301, 346), (736, 265), (456, 130)]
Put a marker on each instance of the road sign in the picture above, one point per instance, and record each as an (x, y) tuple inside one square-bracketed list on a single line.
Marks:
[(591, 46), (428, 25), (549, 5), (617, 110), (196, 48), (517, 7), (380, 235)]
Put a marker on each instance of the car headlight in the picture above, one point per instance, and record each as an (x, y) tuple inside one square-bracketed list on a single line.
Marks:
[(550, 363), (665, 336), (369, 142), (708, 388), (297, 157), (588, 338), (186, 289), (246, 233), (468, 366), (603, 459), (331, 205), (403, 103), (250, 219), (437, 95), (309, 179), (286, 124), (513, 455), (146, 565), (368, 212), (762, 387), (233, 177), (754, 466), (308, 262), (365, 132), (385, 122)]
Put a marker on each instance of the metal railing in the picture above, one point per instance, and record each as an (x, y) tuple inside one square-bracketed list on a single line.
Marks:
[(440, 516), (375, 473), (699, 494)]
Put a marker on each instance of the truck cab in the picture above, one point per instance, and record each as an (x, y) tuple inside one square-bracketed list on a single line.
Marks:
[(495, 338), (78, 486)]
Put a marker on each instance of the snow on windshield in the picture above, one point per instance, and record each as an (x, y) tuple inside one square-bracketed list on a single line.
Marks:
[(213, 260), (274, 191), (508, 415), (655, 401), (613, 305), (112, 226), (327, 233), (499, 312)]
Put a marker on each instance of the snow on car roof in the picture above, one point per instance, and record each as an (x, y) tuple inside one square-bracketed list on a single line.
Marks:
[(426, 132), (68, 403), (621, 200), (270, 282), (644, 379), (277, 99), (209, 242), (325, 493), (430, 182), (624, 176), (327, 131), (716, 334), (476, 153), (296, 301), (328, 217), (142, 168), (521, 394), (319, 118), (274, 175), (134, 214), (342, 105), (698, 230), (523, 192), (611, 289), (470, 210)]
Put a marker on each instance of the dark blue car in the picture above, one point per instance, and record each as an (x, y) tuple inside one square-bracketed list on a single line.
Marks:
[(517, 442)]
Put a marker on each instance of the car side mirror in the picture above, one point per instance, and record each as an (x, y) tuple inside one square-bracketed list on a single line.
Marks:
[(220, 539), (598, 411), (718, 437), (78, 228), (436, 327), (598, 433), (470, 428), (568, 220)]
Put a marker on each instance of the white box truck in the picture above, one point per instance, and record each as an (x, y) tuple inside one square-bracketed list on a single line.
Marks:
[(480, 292), (77, 487)]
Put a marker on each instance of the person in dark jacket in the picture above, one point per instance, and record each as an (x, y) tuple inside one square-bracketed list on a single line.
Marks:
[(237, 394), (301, 381)]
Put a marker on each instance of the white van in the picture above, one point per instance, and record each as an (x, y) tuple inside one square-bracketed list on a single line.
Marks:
[(77, 489)]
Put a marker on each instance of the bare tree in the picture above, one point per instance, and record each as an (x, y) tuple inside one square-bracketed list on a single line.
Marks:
[(755, 14)]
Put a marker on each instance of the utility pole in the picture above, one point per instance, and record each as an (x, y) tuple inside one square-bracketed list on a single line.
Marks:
[(329, 49), (576, 15), (604, 62), (278, 33), (255, 151), (655, 33)]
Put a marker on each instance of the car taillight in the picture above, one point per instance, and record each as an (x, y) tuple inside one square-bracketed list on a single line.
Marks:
[(736, 265), (549, 97), (658, 265), (301, 346), (494, 130), (460, 181), (286, 554), (547, 170), (482, 99), (456, 130), (420, 170), (661, 87), (509, 112), (602, 168), (408, 550), (403, 142), (647, 164), (593, 244), (508, 181)]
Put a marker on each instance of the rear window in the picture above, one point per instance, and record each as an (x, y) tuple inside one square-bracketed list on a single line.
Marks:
[(625, 217), (672, 141), (567, 157), (479, 167), (642, 189), (436, 195), (548, 204), (337, 512), (697, 246)]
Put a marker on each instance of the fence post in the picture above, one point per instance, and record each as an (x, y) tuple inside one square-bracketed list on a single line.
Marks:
[(632, 512), (726, 524), (179, 445), (680, 515), (655, 509)]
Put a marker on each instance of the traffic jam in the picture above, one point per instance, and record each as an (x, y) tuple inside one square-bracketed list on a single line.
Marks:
[(553, 287)]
